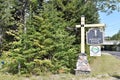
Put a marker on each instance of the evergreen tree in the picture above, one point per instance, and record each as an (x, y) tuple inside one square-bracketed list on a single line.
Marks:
[(116, 36), (73, 10), (64, 53), (6, 20), (43, 43), (37, 37)]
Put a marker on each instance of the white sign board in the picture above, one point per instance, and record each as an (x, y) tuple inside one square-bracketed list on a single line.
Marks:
[(95, 51)]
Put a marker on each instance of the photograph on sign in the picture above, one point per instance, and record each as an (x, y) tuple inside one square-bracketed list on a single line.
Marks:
[(94, 36), (95, 51)]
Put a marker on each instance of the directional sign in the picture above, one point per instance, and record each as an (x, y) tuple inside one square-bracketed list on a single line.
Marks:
[(94, 36), (95, 51)]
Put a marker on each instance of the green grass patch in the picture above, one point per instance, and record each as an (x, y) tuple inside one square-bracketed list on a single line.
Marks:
[(106, 64), (10, 77)]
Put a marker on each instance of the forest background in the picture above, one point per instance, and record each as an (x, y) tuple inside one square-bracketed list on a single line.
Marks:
[(39, 36)]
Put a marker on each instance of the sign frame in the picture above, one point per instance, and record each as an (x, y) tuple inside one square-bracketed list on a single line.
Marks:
[(101, 38)]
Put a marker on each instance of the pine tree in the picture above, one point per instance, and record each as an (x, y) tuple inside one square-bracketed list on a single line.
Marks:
[(44, 44), (116, 36), (6, 21), (38, 39), (63, 53)]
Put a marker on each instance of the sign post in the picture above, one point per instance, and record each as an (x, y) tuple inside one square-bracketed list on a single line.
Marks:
[(82, 35), (82, 65)]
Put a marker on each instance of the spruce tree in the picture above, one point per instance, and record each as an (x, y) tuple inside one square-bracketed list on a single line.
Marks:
[(63, 52), (44, 46), (40, 42)]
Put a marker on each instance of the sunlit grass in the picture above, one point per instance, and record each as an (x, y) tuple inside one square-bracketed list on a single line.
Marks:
[(106, 64), (10, 77)]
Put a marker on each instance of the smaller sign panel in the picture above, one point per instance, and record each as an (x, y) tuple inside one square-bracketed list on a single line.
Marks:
[(95, 51)]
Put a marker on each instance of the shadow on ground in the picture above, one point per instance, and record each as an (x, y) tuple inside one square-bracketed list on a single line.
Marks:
[(115, 76)]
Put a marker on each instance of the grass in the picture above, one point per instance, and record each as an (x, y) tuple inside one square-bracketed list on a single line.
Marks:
[(106, 64), (10, 77)]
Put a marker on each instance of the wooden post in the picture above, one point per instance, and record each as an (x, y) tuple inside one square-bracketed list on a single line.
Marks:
[(82, 35), (82, 65)]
